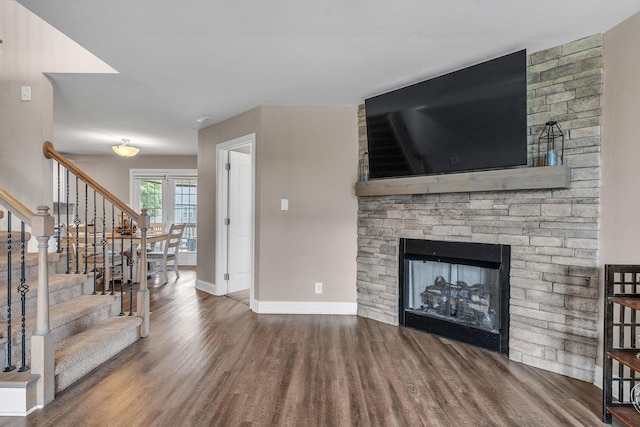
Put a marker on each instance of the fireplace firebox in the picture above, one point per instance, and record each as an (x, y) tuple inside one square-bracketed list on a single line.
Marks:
[(458, 290)]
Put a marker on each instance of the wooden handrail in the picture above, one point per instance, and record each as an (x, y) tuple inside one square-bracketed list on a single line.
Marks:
[(51, 153), (15, 207)]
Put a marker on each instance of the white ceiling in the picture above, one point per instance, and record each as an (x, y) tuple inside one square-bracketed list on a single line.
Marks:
[(180, 59)]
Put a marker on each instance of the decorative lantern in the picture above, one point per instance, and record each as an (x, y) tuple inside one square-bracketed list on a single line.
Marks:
[(551, 145), (364, 167)]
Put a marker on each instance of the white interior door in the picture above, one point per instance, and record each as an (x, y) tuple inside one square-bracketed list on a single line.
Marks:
[(235, 205), (240, 222)]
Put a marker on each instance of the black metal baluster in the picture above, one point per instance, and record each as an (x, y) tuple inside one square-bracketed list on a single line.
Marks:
[(88, 248), (9, 366), (69, 231), (76, 222), (79, 248), (23, 289), (113, 254), (131, 264), (95, 216), (103, 242), (58, 242)]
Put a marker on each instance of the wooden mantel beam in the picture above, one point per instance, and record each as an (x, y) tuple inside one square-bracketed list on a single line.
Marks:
[(526, 178)]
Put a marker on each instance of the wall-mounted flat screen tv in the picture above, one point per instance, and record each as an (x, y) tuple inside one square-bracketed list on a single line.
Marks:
[(470, 119)]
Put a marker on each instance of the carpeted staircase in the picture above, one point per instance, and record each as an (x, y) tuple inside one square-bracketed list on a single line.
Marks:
[(87, 329)]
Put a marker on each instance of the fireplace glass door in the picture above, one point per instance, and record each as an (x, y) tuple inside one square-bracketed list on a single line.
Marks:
[(465, 294), (457, 290)]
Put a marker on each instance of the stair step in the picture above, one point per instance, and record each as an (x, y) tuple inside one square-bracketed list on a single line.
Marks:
[(62, 287), (62, 315), (79, 354), (85, 329), (65, 320), (15, 240), (30, 266)]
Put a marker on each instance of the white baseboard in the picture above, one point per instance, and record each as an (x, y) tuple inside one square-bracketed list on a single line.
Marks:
[(597, 379), (207, 287), (288, 307), (304, 307)]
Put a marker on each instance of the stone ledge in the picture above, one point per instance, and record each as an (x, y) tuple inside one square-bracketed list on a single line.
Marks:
[(527, 178)]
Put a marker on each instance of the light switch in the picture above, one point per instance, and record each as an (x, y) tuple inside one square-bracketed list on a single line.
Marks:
[(25, 93), (284, 204)]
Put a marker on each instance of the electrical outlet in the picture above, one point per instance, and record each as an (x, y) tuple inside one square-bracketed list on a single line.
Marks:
[(318, 287)]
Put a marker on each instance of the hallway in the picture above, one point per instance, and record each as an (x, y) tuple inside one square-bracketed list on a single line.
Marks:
[(210, 361)]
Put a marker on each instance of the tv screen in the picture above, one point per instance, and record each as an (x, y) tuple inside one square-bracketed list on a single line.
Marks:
[(471, 119)]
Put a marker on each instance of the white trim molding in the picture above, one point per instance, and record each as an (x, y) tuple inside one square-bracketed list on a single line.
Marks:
[(597, 376), (305, 307), (18, 394), (207, 287), (222, 156)]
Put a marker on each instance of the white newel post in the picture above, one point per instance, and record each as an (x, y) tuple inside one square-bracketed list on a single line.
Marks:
[(143, 306), (42, 348)]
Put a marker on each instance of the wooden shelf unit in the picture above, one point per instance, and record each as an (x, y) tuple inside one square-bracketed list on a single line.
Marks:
[(622, 343), (627, 415)]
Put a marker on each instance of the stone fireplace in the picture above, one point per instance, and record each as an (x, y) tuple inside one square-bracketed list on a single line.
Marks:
[(457, 290), (552, 233)]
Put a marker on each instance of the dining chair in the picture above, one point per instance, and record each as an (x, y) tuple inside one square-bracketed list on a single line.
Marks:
[(156, 227), (168, 254)]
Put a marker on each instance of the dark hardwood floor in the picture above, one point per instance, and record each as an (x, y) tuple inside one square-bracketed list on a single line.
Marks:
[(210, 361)]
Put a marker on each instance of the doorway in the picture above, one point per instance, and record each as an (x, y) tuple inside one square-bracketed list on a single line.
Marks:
[(169, 196), (235, 179)]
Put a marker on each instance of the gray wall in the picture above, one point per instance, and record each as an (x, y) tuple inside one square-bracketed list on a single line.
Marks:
[(619, 225), (208, 138), (307, 155), (30, 48), (112, 171)]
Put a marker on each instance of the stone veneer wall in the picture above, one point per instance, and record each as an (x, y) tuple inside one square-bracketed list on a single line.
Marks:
[(553, 233)]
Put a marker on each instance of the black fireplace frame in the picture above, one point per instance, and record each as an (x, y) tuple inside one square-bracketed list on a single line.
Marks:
[(480, 254)]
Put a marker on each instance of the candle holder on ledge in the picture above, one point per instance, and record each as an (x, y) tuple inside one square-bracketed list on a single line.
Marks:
[(551, 145), (364, 167)]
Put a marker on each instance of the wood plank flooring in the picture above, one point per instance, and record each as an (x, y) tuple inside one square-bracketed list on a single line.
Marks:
[(210, 361)]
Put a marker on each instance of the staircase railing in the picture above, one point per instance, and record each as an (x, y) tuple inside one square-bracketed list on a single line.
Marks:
[(100, 235), (41, 224)]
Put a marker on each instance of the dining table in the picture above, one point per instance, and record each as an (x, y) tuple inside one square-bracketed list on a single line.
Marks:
[(131, 243), (136, 238), (115, 242)]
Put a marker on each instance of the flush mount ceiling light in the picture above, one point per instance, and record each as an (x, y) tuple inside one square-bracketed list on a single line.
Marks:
[(202, 119), (124, 149)]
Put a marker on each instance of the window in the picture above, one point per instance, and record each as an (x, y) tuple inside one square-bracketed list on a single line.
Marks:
[(151, 198), (169, 197)]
